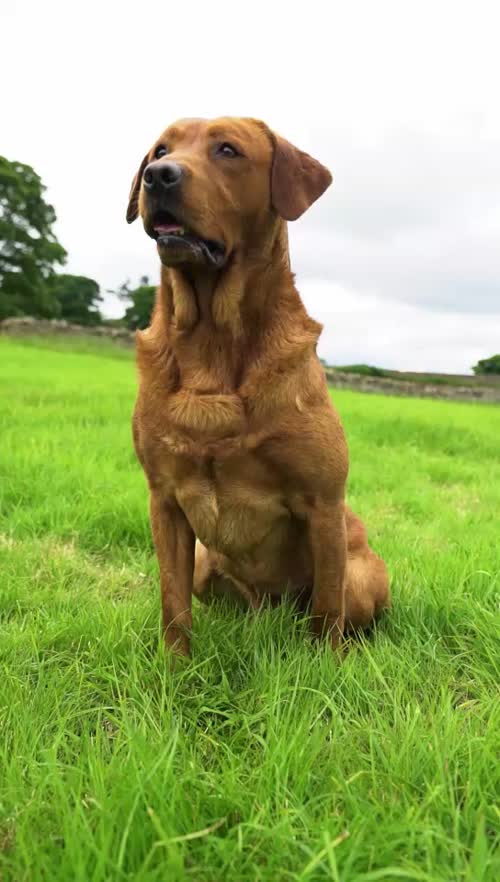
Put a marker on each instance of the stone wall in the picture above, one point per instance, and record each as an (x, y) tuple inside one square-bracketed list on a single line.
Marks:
[(388, 386), (382, 385), (27, 326)]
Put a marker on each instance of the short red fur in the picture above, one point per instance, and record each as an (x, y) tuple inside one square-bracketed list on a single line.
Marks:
[(244, 454)]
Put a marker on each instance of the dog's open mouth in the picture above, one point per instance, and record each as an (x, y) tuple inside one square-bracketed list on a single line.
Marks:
[(177, 244)]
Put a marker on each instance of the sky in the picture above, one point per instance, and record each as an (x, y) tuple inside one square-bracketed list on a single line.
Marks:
[(400, 259)]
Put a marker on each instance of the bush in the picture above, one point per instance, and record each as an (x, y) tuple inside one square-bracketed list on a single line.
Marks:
[(140, 302), (365, 370), (78, 298), (488, 365)]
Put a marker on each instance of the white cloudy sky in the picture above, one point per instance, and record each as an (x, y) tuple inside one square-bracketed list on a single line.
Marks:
[(400, 259)]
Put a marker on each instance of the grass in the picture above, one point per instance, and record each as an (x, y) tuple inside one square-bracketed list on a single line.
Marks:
[(264, 758)]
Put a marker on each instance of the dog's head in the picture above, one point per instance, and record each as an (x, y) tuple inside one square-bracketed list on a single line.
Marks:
[(209, 187)]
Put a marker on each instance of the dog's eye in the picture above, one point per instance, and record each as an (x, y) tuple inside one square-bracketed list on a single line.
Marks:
[(227, 150), (160, 151)]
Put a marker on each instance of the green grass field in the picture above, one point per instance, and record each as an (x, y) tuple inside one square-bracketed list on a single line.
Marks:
[(264, 758)]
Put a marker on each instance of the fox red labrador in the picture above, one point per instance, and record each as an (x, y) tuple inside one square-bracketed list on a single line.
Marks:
[(244, 454)]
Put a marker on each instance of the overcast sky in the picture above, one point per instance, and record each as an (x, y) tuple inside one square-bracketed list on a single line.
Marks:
[(400, 259)]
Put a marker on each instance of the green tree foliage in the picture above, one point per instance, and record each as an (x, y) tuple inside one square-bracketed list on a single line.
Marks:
[(488, 365), (77, 297), (140, 300), (28, 246)]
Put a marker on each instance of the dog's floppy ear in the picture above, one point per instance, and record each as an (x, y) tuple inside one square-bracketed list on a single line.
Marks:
[(133, 199), (297, 179)]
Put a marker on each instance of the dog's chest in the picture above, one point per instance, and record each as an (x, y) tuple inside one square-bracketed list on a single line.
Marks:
[(208, 450), (232, 504)]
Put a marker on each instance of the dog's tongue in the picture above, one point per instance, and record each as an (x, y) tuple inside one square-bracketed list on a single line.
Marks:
[(164, 229)]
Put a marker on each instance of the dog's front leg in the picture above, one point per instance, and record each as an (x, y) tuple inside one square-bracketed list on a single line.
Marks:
[(328, 542), (174, 542)]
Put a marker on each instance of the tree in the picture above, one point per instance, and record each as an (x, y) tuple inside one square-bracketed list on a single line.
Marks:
[(77, 298), (488, 365), (141, 300), (28, 246)]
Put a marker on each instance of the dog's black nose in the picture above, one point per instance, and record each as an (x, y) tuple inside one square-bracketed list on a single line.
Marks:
[(161, 175)]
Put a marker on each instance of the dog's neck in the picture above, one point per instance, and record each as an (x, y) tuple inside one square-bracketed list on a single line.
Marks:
[(200, 296), (221, 326)]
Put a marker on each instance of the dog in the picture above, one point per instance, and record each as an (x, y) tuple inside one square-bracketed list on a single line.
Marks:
[(244, 454)]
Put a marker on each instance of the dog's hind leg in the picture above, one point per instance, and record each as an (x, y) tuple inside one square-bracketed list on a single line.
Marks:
[(367, 583), (210, 582)]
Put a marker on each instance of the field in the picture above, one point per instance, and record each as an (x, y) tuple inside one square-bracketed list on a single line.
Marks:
[(264, 758)]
